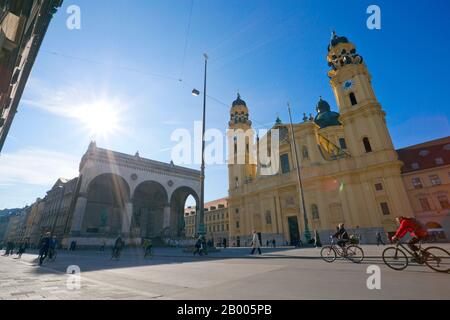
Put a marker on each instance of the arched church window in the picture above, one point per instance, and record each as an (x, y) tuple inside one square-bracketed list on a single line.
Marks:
[(315, 212), (353, 100), (367, 145), (236, 183)]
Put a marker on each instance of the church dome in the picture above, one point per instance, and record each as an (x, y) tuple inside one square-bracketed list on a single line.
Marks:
[(322, 106), (335, 40), (325, 117), (239, 101)]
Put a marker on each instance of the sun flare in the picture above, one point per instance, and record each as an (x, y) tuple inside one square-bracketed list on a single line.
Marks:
[(100, 118)]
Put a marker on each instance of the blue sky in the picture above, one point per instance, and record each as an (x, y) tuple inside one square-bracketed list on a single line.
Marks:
[(131, 53)]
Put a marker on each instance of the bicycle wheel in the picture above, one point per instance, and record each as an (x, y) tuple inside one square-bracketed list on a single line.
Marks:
[(437, 259), (328, 254), (395, 258), (355, 254)]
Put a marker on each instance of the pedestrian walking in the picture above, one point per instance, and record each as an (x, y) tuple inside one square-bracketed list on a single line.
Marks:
[(256, 245), (224, 243), (118, 246), (103, 246), (379, 239), (274, 243), (317, 242), (23, 247), (148, 248)]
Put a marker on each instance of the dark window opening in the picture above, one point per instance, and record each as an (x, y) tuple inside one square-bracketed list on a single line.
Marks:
[(353, 99), (285, 167), (342, 143), (367, 145), (385, 208), (379, 186)]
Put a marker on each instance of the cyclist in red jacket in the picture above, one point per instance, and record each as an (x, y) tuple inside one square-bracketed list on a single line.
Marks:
[(414, 228)]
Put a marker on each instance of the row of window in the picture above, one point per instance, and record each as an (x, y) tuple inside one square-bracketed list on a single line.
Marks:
[(284, 158), (438, 161), (435, 180), (218, 228), (216, 217), (443, 201), (315, 213)]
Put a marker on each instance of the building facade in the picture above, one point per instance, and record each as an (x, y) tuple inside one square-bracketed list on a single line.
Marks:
[(33, 231), (55, 214), (426, 176), (216, 221), (120, 194), (349, 168), (23, 24)]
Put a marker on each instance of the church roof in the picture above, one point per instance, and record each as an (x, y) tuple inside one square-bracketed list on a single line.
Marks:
[(424, 156), (239, 101), (335, 40), (325, 117)]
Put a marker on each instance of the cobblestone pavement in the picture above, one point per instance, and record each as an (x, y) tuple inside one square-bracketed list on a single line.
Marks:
[(282, 273)]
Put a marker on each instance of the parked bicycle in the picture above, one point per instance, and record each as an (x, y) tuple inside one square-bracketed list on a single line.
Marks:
[(351, 252), (436, 258)]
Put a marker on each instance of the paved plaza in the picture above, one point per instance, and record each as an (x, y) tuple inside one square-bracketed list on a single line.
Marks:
[(283, 273)]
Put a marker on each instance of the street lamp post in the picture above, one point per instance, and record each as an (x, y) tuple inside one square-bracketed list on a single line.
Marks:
[(200, 225), (307, 233)]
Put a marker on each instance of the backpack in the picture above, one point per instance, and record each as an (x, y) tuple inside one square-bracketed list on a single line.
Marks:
[(419, 225)]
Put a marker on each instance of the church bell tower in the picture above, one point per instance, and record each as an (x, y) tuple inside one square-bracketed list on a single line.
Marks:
[(361, 114), (240, 137)]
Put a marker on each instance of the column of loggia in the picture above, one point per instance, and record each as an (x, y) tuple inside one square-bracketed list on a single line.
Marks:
[(78, 215)]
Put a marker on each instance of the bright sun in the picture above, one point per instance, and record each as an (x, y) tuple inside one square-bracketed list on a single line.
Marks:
[(100, 118)]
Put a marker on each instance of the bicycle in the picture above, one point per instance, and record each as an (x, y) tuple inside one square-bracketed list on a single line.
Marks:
[(436, 258), (148, 252), (352, 252), (52, 253), (50, 256)]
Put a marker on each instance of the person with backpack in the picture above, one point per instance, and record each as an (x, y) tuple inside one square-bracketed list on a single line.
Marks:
[(414, 228), (341, 235)]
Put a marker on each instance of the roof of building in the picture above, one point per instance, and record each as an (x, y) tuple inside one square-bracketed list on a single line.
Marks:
[(100, 154), (427, 155), (335, 40), (239, 101), (326, 117), (208, 205)]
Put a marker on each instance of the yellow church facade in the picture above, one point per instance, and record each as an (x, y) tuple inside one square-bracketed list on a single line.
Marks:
[(350, 171)]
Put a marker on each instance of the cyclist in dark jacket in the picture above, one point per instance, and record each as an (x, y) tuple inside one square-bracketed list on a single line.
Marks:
[(341, 235), (44, 247)]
